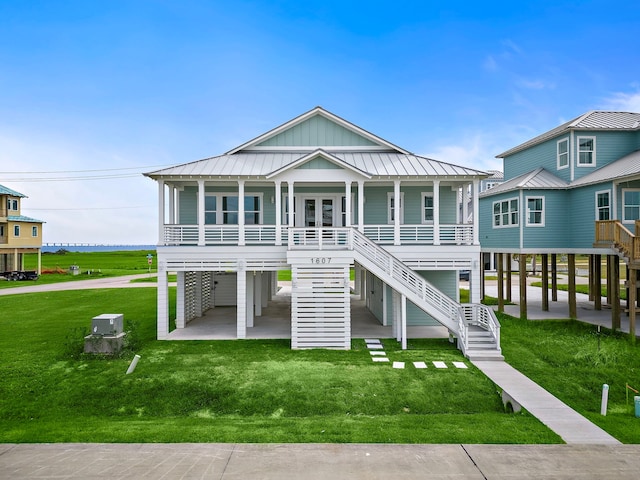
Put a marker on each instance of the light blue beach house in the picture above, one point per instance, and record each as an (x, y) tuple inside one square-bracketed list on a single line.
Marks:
[(574, 190), (320, 196)]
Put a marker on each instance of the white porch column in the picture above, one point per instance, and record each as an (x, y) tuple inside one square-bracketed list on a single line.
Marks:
[(258, 293), (476, 212), (161, 240), (291, 204), (357, 279), (465, 203), (396, 212), (436, 212), (385, 304), (39, 261), (251, 294), (180, 308), (474, 282), (347, 203), (361, 206), (198, 294), (172, 205), (278, 203), (201, 240), (240, 212), (403, 321), (162, 302), (241, 301)]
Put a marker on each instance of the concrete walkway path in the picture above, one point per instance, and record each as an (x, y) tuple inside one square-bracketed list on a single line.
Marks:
[(317, 461), (572, 427), (89, 283)]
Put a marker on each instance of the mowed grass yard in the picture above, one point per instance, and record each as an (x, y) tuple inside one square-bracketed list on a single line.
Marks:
[(230, 391)]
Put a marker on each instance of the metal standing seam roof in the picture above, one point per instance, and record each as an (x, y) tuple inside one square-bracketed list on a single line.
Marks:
[(257, 164), (594, 120), (7, 191), (22, 218), (536, 179), (627, 166)]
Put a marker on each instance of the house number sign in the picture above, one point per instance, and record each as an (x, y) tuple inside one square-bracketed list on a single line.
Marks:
[(321, 260)]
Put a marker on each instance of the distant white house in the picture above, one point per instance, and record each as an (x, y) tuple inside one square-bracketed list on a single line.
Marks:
[(320, 196)]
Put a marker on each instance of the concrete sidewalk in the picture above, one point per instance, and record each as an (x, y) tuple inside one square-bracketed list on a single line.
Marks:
[(89, 283), (317, 461)]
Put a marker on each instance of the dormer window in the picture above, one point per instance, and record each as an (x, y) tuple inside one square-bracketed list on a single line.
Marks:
[(563, 153), (586, 151)]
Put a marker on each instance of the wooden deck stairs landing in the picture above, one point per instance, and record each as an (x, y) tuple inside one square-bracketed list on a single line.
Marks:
[(613, 234)]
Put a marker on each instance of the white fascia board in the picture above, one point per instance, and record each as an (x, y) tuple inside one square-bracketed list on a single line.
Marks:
[(318, 153), (309, 114)]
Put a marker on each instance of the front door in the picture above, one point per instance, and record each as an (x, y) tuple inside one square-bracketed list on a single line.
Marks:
[(319, 212)]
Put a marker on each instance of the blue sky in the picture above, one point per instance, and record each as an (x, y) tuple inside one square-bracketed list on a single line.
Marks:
[(92, 93)]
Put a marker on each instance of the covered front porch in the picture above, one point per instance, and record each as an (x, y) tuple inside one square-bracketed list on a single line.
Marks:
[(275, 323)]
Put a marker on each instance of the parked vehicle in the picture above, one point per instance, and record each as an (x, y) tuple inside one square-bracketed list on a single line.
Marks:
[(20, 275)]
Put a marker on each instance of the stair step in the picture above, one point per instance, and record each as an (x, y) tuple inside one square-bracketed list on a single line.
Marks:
[(485, 355)]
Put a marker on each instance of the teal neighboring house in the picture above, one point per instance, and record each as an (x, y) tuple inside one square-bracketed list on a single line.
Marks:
[(321, 196), (572, 190)]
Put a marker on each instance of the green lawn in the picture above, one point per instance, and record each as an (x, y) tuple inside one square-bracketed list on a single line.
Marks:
[(229, 391), (55, 266), (582, 288)]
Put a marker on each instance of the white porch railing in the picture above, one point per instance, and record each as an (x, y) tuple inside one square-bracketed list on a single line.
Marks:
[(481, 316), (266, 234)]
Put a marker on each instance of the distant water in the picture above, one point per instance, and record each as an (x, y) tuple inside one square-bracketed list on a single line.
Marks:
[(87, 247)]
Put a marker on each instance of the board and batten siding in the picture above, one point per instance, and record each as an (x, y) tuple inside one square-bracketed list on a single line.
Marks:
[(317, 131), (444, 280)]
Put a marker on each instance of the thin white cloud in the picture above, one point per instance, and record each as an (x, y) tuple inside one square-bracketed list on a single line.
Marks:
[(512, 46), (535, 84), (473, 152), (490, 63), (625, 102)]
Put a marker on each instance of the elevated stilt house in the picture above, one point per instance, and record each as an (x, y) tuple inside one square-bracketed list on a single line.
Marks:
[(320, 196), (571, 191)]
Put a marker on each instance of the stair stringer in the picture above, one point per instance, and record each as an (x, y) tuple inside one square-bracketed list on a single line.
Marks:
[(448, 319)]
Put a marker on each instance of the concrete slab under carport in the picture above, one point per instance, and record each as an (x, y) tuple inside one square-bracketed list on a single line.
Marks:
[(219, 323)]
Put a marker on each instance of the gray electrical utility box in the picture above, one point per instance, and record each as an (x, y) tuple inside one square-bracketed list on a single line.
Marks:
[(107, 324)]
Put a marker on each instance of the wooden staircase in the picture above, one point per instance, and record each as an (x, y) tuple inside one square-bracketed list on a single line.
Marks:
[(613, 234)]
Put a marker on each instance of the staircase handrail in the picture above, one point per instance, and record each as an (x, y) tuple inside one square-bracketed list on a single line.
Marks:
[(613, 231)]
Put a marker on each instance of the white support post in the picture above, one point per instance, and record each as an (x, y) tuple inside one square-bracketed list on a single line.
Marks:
[(465, 203), (162, 303), (278, 204), (39, 261), (201, 240), (241, 301), (474, 281), (403, 321), (360, 206), (385, 304), (258, 293), (357, 280), (241, 212), (347, 203), (476, 212), (291, 204), (198, 294), (396, 212), (180, 295), (161, 239), (436, 212), (251, 295), (172, 205)]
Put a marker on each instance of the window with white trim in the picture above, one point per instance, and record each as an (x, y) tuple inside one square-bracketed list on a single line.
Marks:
[(16, 230), (391, 208), (563, 153), (603, 205), (34, 231), (427, 208), (505, 213), (535, 211), (586, 151), (223, 209), (630, 205)]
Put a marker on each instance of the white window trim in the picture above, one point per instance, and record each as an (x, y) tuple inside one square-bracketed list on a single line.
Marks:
[(541, 224), (593, 153), (511, 225), (16, 230), (389, 197), (220, 212), (558, 166), (624, 205), (600, 192), (422, 197)]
